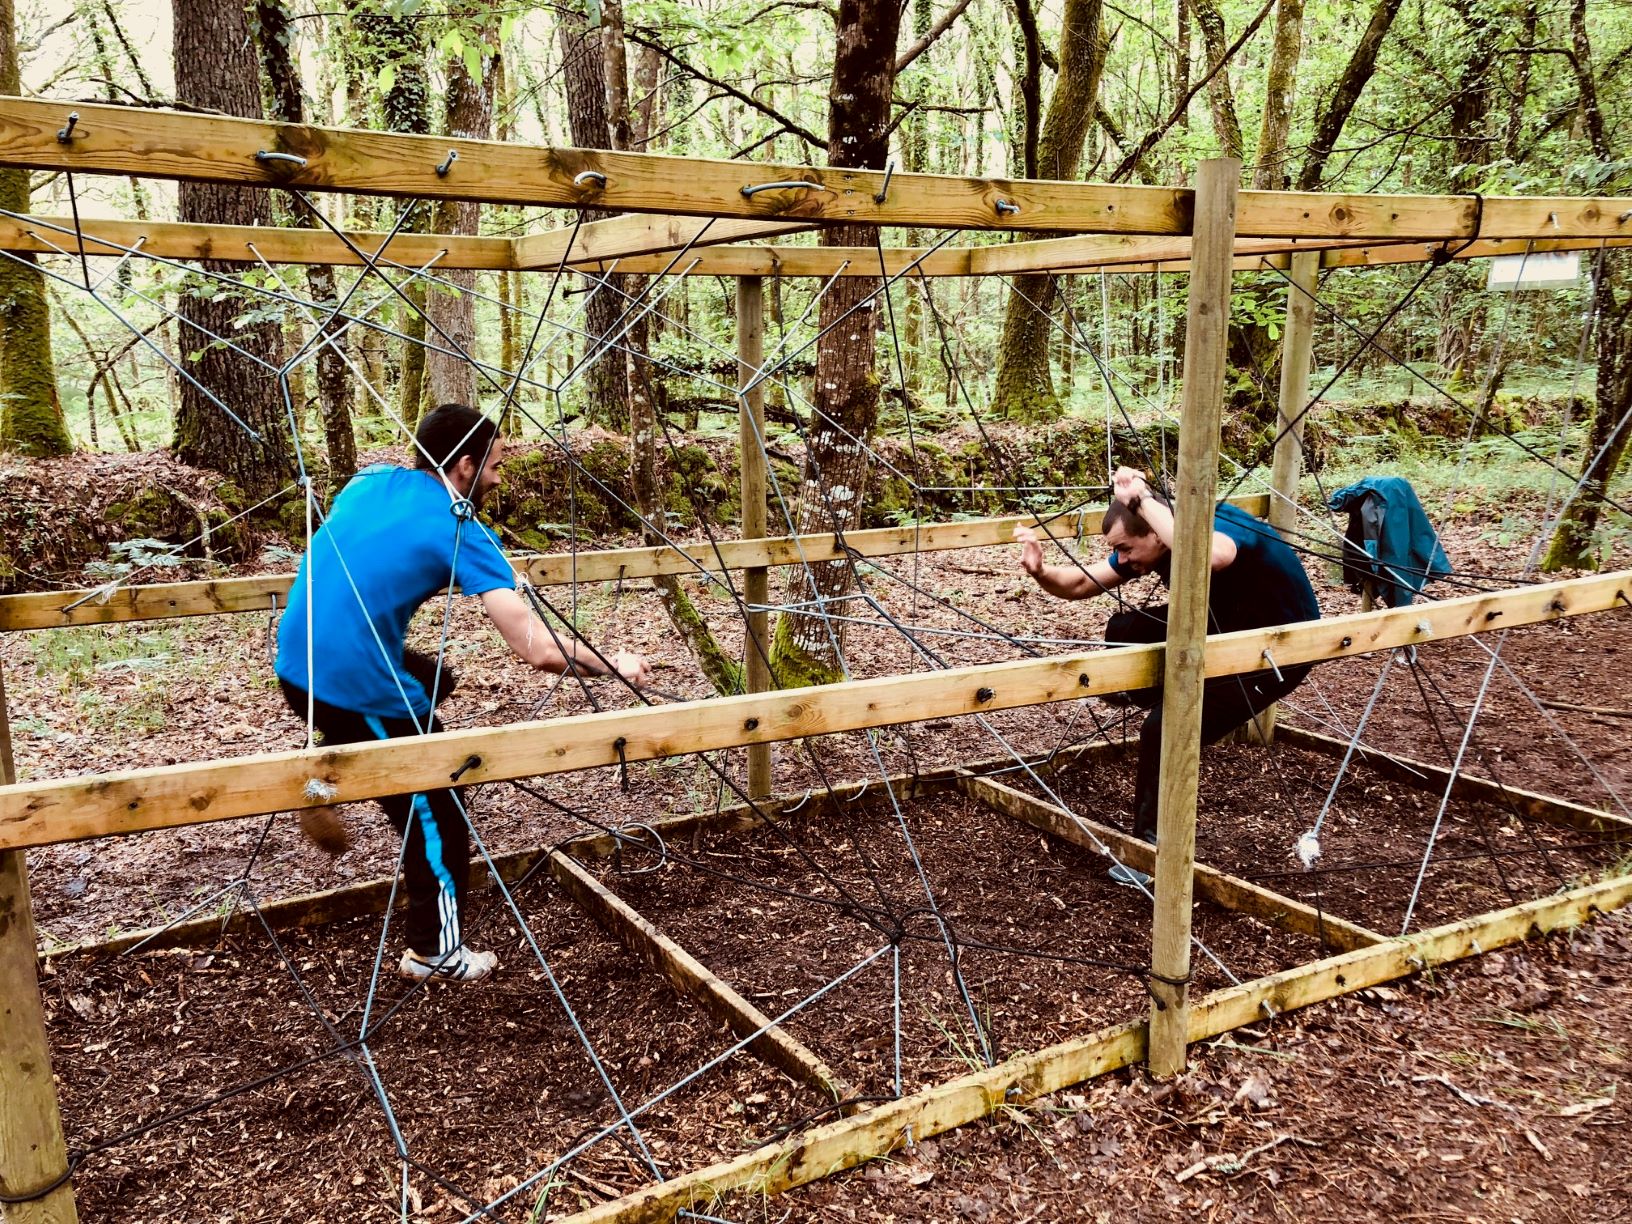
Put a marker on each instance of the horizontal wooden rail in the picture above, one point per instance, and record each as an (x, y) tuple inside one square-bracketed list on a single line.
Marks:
[(364, 897), (639, 236), (194, 240), (1549, 809), (1076, 255), (615, 237), (164, 600), (1217, 886), (694, 980), (876, 1132), (214, 148), (39, 813)]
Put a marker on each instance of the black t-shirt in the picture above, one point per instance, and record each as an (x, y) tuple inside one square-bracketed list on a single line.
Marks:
[(1264, 585)]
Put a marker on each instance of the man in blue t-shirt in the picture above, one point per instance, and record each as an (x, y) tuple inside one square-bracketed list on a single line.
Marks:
[(1257, 581), (394, 537)]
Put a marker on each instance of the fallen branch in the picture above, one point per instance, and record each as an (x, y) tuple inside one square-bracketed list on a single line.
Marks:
[(1581, 709), (1231, 1165)]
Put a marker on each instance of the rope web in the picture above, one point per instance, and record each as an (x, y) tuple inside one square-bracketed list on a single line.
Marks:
[(933, 632)]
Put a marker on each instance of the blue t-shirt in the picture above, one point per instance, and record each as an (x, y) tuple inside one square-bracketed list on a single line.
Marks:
[(391, 541), (1264, 585)]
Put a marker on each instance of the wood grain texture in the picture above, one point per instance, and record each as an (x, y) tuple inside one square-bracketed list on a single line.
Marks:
[(161, 601), (43, 812), (1196, 481), (211, 148)]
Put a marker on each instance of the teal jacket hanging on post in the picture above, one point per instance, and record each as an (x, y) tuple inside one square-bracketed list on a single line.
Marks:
[(1391, 543)]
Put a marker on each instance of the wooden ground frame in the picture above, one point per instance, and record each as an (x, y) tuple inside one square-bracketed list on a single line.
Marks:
[(1132, 229)]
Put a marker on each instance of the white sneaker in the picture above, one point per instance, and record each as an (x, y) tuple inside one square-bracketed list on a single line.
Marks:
[(460, 965)]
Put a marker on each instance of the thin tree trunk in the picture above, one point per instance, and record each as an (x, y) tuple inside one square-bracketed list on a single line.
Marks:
[(1521, 80), (1271, 172), (809, 649), (1025, 386), (216, 69), (583, 72), (1220, 97), (1573, 540), (1339, 104), (333, 378), (31, 418), (450, 314)]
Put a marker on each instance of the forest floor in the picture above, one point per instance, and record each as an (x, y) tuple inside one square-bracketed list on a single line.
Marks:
[(1488, 1091)]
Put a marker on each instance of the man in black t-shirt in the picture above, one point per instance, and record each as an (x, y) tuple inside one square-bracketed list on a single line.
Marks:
[(1257, 582)]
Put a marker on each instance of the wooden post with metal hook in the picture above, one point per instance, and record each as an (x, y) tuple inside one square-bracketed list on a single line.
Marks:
[(1286, 466), (1206, 337), (32, 1151), (755, 579)]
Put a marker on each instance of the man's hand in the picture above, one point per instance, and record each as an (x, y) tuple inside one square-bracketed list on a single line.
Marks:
[(1129, 486), (632, 667), (1031, 550)]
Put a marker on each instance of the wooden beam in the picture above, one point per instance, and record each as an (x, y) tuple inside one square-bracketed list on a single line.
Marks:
[(802, 261), (192, 240), (370, 896), (692, 978), (876, 1132), (1549, 809), (1082, 254), (95, 805), (1397, 958), (1201, 413), (1286, 463), (638, 235), (161, 601), (33, 1155), (1222, 889), (213, 148), (751, 444)]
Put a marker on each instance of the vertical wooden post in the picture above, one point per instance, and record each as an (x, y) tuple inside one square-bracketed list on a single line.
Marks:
[(32, 1151), (1286, 468), (1206, 337), (756, 584)]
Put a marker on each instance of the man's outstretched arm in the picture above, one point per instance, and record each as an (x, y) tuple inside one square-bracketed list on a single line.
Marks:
[(1063, 581), (534, 643)]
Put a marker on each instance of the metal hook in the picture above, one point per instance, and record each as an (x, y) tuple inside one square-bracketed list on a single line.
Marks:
[(447, 163), (263, 155), (790, 811), (1270, 659), (600, 179), (1006, 208), (462, 509), (750, 192), (884, 191), (66, 135)]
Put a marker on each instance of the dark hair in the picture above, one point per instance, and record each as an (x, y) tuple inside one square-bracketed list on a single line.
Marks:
[(450, 432), (1132, 522)]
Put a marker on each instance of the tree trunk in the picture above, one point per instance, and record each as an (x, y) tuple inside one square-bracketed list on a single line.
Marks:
[(1220, 97), (1271, 172), (450, 313), (1572, 543), (1471, 102), (215, 69), (395, 42), (809, 649), (606, 398), (1521, 80), (1025, 386), (1330, 119), (30, 411), (333, 378)]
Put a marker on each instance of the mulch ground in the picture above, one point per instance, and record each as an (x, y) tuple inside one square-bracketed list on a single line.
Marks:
[(489, 1084)]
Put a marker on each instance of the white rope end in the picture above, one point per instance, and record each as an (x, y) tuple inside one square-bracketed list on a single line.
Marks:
[(319, 791), (1308, 849)]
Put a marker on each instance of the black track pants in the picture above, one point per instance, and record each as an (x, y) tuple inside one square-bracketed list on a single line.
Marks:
[(1226, 703), (436, 858)]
